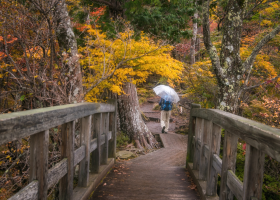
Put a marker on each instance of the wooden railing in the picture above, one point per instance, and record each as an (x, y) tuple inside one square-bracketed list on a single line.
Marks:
[(97, 144), (204, 162)]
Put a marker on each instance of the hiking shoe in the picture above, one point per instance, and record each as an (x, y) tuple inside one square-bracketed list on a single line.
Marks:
[(163, 128)]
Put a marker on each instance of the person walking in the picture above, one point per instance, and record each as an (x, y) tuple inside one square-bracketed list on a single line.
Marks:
[(168, 97), (165, 107)]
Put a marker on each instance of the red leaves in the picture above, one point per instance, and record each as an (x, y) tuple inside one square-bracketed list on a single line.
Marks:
[(80, 27), (98, 11), (244, 146), (213, 25), (268, 81)]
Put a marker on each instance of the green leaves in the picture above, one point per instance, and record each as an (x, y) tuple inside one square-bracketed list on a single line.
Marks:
[(163, 19), (22, 97)]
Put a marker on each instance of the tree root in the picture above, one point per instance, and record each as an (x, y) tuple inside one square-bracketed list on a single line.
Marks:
[(153, 142), (146, 142)]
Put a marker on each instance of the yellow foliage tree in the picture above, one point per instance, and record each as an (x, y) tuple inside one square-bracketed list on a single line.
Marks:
[(111, 62), (118, 64)]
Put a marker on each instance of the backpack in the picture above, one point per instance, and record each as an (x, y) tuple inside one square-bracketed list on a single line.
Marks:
[(165, 105)]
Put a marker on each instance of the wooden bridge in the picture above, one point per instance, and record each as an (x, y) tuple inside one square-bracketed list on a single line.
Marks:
[(96, 152)]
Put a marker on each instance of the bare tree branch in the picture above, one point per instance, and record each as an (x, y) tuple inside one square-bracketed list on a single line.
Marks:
[(254, 7), (250, 60), (258, 85)]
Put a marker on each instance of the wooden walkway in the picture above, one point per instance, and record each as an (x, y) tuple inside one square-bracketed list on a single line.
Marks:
[(158, 175)]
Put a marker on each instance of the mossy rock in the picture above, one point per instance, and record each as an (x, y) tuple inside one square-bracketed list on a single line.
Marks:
[(125, 154)]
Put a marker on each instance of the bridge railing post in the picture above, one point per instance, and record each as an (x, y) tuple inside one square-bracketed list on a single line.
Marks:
[(204, 145), (214, 148), (95, 155), (113, 128), (191, 133), (104, 150), (39, 148), (228, 163), (253, 173), (85, 138), (199, 126), (67, 151)]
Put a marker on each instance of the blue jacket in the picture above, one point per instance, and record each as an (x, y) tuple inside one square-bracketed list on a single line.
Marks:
[(165, 105)]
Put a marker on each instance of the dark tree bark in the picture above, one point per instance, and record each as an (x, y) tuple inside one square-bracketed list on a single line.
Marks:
[(68, 47), (197, 48), (131, 121), (229, 68)]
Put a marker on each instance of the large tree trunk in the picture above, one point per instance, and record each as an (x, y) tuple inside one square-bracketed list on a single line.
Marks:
[(230, 58), (131, 121), (68, 47)]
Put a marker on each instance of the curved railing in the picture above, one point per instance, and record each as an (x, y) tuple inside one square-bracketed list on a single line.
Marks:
[(97, 144), (204, 148)]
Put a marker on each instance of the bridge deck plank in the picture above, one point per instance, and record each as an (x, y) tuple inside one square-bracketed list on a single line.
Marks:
[(157, 175)]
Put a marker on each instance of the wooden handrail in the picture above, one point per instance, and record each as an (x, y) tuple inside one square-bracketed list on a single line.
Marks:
[(21, 124), (97, 144), (204, 149)]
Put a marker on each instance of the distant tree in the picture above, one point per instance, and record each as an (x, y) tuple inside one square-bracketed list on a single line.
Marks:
[(163, 19)]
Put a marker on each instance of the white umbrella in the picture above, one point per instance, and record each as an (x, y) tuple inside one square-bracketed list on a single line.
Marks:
[(167, 93)]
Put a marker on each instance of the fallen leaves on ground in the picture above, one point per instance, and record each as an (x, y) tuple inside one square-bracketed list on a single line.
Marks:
[(193, 187)]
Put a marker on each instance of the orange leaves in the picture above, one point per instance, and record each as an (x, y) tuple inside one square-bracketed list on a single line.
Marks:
[(98, 11), (2, 55), (80, 27), (10, 39)]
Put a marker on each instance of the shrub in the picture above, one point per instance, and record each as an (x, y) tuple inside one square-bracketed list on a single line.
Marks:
[(122, 139)]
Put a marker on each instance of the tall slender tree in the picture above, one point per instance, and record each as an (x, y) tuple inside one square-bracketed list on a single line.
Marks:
[(194, 35)]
